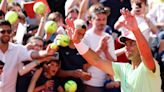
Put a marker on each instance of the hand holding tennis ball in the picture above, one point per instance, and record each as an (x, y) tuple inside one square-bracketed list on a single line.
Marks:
[(70, 86), (39, 8), (11, 16), (53, 46), (62, 40), (50, 27)]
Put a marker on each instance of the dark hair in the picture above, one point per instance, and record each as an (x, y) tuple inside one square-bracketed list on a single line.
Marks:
[(4, 22), (72, 10), (2, 63), (2, 13), (139, 1), (12, 5), (97, 9)]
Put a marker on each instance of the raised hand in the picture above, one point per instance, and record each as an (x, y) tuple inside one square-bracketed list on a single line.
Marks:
[(129, 20), (75, 34), (103, 44)]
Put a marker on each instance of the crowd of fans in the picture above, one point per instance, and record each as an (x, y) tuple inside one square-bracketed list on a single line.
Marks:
[(29, 64)]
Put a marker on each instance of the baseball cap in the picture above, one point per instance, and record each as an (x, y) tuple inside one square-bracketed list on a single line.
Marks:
[(79, 23), (130, 35), (126, 35)]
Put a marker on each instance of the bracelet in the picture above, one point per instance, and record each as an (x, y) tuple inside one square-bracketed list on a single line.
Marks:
[(81, 48), (36, 62)]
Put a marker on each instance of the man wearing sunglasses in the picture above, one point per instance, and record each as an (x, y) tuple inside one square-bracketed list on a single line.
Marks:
[(13, 54)]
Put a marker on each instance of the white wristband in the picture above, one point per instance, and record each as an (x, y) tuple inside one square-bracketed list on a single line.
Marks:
[(81, 48)]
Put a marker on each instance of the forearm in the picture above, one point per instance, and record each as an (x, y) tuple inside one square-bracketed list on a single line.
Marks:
[(144, 49), (108, 56), (152, 26), (3, 6), (65, 73), (34, 80), (38, 54), (40, 88), (120, 51), (25, 69), (83, 9), (92, 58), (40, 31)]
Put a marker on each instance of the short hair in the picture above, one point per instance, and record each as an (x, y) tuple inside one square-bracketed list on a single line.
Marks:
[(98, 8), (5, 22), (35, 37), (55, 16), (12, 5), (72, 10), (134, 1)]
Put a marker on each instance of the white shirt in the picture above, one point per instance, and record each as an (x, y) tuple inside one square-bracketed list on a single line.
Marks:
[(156, 15), (92, 40), (12, 57), (142, 24)]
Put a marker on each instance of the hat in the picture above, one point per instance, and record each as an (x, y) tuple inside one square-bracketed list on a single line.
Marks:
[(79, 23), (126, 35), (130, 35)]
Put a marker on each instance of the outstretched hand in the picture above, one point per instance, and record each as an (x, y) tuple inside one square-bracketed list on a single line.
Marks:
[(129, 20), (74, 34)]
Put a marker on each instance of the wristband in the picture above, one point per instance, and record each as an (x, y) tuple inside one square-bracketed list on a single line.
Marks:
[(81, 48)]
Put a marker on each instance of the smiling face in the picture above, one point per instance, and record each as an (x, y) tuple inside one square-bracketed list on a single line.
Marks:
[(138, 7), (5, 34)]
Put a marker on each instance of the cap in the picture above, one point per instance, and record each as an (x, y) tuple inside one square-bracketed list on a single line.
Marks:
[(130, 35), (79, 23), (126, 35)]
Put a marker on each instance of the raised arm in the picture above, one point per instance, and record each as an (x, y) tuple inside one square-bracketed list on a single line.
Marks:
[(83, 9), (143, 46), (3, 6), (90, 56)]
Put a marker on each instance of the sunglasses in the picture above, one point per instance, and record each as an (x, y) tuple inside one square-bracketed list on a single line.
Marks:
[(5, 31), (104, 10)]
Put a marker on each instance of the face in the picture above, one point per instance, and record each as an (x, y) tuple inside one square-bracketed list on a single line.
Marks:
[(99, 21), (5, 34), (131, 49), (72, 16), (81, 33), (17, 9), (38, 44), (138, 8), (53, 67)]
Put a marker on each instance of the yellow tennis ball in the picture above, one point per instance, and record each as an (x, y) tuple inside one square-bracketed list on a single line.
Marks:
[(11, 16), (53, 46), (39, 8), (63, 40), (70, 86), (50, 27)]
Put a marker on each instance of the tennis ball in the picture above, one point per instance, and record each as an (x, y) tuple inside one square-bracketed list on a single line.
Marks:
[(62, 40), (11, 16), (70, 86), (39, 8), (50, 27), (53, 46)]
